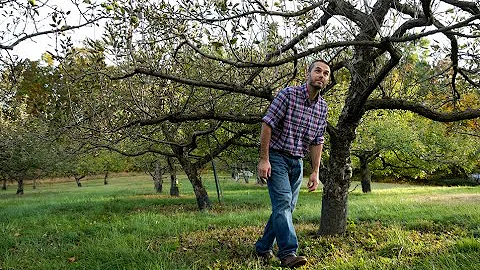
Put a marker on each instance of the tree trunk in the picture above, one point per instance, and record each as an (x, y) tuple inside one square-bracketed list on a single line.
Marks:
[(203, 201), (333, 219), (174, 191), (4, 185), (77, 180), (157, 178), (105, 182), (365, 175), (20, 186), (34, 183)]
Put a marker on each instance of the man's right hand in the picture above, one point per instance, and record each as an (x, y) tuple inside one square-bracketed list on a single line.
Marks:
[(264, 169)]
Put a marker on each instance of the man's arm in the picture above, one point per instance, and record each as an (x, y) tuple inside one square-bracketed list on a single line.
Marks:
[(264, 168), (316, 154)]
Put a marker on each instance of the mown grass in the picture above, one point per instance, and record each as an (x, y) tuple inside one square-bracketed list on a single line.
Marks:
[(126, 225)]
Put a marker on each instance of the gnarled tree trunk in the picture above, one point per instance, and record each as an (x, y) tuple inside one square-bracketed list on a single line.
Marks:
[(333, 219), (203, 201)]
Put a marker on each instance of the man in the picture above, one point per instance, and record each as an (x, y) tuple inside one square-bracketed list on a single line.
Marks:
[(293, 126)]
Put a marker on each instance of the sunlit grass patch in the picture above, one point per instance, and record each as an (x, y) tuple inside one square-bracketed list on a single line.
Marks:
[(373, 246), (447, 198)]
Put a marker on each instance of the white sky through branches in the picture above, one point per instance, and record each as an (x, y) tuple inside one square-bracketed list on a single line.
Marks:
[(35, 47)]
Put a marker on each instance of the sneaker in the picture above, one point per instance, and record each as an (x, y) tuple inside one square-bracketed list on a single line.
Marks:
[(293, 261), (268, 255)]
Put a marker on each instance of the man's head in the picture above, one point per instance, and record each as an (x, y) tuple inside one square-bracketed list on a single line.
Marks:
[(318, 74)]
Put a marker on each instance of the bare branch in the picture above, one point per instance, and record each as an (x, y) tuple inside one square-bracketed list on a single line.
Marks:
[(396, 104), (468, 6), (394, 59), (453, 57), (422, 21), (467, 78)]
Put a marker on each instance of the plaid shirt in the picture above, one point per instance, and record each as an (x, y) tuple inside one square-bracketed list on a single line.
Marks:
[(296, 121)]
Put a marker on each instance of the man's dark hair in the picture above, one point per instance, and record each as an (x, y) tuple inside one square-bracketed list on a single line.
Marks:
[(316, 61)]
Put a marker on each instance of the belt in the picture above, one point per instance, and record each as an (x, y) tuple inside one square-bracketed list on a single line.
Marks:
[(285, 153)]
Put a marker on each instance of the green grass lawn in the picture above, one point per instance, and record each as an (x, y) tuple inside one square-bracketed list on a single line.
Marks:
[(126, 225)]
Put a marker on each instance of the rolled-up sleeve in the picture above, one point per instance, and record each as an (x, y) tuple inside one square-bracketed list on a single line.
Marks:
[(276, 111), (320, 138)]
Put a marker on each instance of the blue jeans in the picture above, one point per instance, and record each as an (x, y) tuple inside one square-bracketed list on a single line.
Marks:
[(283, 187)]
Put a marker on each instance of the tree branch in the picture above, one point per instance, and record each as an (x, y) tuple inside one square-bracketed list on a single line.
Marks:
[(453, 57), (467, 78), (468, 6), (46, 32), (134, 154), (233, 88), (394, 59), (264, 11), (221, 147), (396, 104), (178, 118)]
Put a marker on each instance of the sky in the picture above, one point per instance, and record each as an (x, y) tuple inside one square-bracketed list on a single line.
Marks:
[(34, 48)]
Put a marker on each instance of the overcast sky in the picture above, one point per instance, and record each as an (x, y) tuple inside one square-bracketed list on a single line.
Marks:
[(34, 48)]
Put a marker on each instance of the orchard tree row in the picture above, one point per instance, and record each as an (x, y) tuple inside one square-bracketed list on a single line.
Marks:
[(191, 80), (390, 144)]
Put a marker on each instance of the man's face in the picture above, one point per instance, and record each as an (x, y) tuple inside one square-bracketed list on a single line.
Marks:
[(319, 76)]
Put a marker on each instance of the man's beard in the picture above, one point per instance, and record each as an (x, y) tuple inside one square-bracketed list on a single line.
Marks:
[(316, 85)]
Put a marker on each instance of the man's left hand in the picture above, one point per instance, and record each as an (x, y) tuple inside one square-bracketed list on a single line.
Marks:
[(313, 182)]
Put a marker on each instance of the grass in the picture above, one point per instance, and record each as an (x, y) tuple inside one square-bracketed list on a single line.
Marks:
[(126, 225)]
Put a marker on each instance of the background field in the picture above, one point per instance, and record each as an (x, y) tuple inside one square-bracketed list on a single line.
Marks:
[(126, 225)]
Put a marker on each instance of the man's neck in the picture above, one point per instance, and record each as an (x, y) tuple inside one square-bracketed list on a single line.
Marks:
[(312, 92)]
